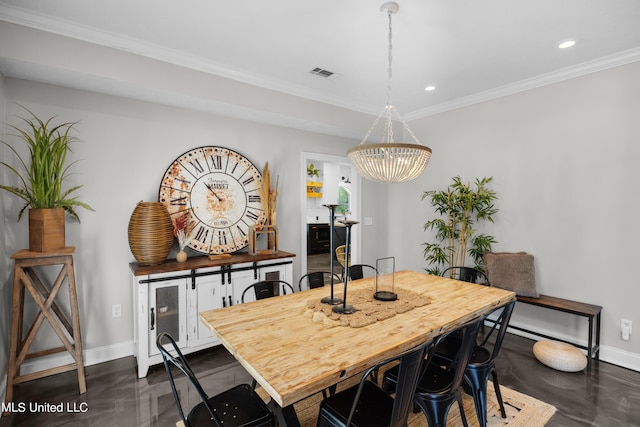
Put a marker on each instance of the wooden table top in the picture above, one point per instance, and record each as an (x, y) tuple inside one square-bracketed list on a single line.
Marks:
[(293, 357)]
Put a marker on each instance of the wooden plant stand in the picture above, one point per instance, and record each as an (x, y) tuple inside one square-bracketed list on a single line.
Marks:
[(26, 278)]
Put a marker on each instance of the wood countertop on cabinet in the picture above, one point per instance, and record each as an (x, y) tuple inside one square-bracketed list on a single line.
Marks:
[(203, 261)]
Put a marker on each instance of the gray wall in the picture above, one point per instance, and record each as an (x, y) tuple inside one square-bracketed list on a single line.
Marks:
[(564, 161), (125, 148), (5, 265), (562, 156)]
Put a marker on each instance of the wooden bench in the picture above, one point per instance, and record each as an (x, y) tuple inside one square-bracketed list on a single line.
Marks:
[(589, 311)]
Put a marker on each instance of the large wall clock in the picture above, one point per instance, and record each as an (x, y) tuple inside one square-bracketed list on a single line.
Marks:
[(219, 190)]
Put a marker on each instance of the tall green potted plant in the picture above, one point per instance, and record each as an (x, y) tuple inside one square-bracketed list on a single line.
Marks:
[(41, 180), (461, 207)]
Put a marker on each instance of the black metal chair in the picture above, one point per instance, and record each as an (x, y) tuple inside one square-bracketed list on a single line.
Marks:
[(317, 279), (238, 406), (356, 271), (467, 274), (267, 289), (440, 386), (482, 362), (367, 405)]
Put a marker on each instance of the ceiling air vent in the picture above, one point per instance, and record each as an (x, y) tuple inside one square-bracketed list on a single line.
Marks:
[(321, 72)]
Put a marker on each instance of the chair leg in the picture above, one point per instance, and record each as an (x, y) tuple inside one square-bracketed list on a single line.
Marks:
[(463, 416), (496, 386), (435, 411), (477, 380)]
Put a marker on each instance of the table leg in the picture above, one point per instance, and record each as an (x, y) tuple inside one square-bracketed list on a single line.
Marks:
[(17, 310), (590, 344), (75, 320), (598, 336), (286, 416)]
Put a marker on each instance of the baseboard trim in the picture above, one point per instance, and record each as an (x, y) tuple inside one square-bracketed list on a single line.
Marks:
[(613, 355), (91, 357)]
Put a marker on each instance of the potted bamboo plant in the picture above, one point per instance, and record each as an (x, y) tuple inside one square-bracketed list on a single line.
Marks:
[(41, 181), (461, 207)]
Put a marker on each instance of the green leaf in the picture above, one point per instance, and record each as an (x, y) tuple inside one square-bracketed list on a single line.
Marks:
[(42, 179), (461, 209)]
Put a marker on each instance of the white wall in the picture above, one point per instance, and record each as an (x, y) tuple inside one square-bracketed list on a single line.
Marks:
[(125, 148), (564, 161)]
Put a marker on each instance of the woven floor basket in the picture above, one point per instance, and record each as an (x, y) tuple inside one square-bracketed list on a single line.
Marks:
[(150, 233)]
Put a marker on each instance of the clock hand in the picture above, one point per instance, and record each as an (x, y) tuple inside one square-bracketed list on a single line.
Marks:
[(214, 193)]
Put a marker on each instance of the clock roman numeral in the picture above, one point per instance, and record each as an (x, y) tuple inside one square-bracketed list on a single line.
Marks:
[(216, 162), (222, 237), (241, 231), (234, 168), (180, 201), (252, 215), (185, 181), (254, 198), (248, 181), (197, 166), (202, 234)]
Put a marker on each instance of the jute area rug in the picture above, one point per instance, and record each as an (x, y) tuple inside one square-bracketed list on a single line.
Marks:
[(522, 411)]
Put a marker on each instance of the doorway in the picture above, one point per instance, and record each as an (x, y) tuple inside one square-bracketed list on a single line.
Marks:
[(327, 179)]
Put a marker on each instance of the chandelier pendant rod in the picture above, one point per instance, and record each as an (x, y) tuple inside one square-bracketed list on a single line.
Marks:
[(389, 59)]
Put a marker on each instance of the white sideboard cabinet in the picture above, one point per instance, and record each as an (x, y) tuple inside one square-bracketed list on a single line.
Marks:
[(169, 296)]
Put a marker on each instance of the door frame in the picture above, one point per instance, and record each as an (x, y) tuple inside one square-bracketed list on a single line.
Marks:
[(356, 204)]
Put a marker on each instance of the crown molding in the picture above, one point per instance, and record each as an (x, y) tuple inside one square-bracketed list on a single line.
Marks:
[(45, 23), (21, 16), (600, 64)]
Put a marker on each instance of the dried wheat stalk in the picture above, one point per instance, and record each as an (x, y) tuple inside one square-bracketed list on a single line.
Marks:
[(269, 196)]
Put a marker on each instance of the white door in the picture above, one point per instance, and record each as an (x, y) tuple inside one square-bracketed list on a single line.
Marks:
[(209, 294), (241, 280)]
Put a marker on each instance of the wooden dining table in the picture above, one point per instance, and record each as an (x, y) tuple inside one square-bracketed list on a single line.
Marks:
[(293, 357)]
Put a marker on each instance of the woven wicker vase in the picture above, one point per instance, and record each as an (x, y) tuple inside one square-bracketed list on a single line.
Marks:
[(150, 233)]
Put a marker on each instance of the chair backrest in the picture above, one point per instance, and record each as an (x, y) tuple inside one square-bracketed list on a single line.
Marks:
[(356, 271), (468, 333), (180, 362), (467, 274), (501, 324), (340, 255), (268, 288), (317, 279), (410, 364)]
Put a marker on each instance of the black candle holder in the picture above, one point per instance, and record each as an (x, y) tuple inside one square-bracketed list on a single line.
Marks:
[(332, 213), (344, 308)]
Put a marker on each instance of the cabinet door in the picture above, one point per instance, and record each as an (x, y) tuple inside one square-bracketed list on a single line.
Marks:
[(240, 280), (209, 294), (274, 272), (168, 312)]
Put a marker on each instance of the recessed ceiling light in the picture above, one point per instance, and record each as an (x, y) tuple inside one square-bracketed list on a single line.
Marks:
[(566, 44), (430, 88)]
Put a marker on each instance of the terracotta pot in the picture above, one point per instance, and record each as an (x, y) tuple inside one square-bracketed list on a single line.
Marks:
[(46, 229)]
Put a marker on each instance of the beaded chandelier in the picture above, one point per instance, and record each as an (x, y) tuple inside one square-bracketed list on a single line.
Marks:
[(389, 161)]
